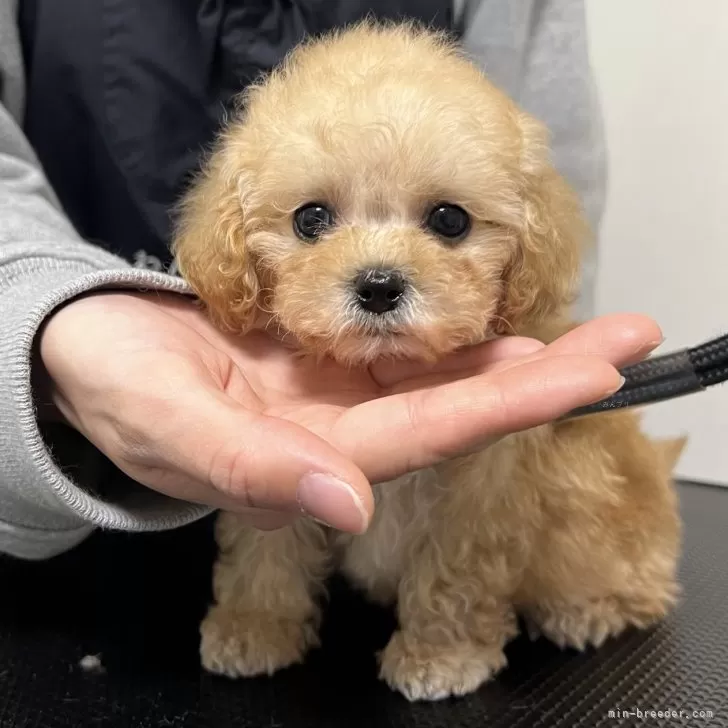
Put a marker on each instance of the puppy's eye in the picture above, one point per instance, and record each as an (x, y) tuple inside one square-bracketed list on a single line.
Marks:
[(449, 221), (311, 220)]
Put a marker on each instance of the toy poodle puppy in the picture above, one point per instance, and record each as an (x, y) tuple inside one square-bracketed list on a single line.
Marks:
[(377, 196)]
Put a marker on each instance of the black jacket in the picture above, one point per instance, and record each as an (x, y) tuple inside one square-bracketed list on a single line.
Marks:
[(124, 95)]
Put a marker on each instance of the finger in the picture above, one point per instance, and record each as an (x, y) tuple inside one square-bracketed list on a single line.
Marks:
[(212, 450), (418, 429), (388, 372), (621, 339)]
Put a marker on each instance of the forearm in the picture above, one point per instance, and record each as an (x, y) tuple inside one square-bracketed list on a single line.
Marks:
[(43, 265)]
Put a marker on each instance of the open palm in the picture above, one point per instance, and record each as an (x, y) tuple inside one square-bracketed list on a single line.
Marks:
[(242, 422)]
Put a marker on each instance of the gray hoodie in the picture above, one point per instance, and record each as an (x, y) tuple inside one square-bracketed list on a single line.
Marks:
[(536, 50)]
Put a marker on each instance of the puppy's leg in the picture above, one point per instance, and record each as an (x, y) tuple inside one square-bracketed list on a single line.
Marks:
[(451, 635), (607, 555), (454, 603), (266, 586), (583, 622), (625, 594)]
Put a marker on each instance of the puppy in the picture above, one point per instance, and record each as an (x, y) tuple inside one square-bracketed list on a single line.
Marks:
[(378, 196)]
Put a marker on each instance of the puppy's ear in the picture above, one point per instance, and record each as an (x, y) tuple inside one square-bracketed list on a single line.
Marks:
[(210, 244), (542, 280)]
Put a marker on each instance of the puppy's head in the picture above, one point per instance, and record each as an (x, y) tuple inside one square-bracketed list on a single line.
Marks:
[(378, 196)]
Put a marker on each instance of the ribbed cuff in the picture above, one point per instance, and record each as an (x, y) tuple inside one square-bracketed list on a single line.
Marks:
[(36, 494)]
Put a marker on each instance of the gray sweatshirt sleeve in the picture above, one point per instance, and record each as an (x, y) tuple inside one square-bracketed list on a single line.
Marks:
[(537, 51), (43, 264)]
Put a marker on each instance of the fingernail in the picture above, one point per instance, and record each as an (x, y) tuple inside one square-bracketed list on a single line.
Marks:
[(652, 345), (616, 389), (609, 392), (332, 502)]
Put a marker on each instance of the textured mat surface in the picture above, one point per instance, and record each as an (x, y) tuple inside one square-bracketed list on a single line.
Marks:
[(137, 601)]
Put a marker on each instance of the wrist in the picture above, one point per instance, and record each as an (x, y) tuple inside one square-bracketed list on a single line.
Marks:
[(44, 391), (49, 405)]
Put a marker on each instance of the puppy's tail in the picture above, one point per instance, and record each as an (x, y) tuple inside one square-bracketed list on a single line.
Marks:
[(670, 450)]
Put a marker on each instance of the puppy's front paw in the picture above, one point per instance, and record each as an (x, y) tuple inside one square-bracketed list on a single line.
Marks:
[(427, 672), (244, 644)]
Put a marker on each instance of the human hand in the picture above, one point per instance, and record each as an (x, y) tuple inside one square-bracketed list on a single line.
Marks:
[(248, 425)]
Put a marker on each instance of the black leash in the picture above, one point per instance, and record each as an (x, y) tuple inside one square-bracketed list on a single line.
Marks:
[(666, 377)]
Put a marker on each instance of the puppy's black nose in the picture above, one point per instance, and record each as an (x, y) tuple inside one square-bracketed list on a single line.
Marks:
[(379, 290)]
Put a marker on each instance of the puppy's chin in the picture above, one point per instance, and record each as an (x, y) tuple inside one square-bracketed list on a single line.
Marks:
[(358, 343), (362, 350)]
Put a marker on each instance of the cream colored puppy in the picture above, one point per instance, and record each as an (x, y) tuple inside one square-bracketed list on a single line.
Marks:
[(378, 196)]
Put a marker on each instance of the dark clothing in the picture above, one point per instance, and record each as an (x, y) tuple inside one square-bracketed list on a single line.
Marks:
[(124, 95)]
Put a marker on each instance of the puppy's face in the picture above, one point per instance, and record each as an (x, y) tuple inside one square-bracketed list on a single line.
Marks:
[(380, 197)]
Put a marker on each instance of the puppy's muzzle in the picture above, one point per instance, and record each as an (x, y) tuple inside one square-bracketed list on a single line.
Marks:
[(379, 290)]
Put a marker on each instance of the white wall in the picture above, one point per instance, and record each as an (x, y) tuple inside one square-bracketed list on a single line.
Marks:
[(662, 67)]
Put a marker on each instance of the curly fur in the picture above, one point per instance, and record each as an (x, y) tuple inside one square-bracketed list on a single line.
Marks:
[(572, 525)]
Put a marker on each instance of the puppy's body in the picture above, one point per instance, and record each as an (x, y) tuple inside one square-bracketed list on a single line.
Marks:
[(573, 525)]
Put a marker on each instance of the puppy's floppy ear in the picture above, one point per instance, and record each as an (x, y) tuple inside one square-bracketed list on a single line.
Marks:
[(542, 280), (210, 243)]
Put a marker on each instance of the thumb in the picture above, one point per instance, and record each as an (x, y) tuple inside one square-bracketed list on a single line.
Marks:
[(220, 453)]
